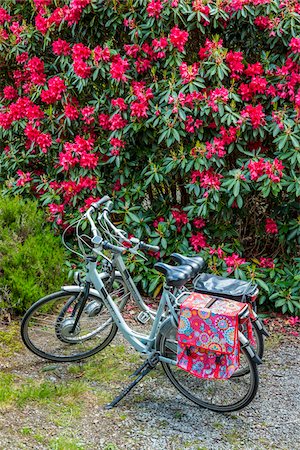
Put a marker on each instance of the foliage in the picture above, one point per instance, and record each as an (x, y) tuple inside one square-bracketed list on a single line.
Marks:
[(186, 111), (31, 258)]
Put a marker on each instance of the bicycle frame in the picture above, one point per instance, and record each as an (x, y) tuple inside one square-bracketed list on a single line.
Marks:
[(142, 343)]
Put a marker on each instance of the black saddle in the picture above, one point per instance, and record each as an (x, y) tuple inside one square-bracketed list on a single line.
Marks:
[(175, 276), (242, 291), (195, 262)]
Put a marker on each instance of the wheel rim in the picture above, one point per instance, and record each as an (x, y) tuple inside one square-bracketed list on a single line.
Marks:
[(219, 395), (48, 328)]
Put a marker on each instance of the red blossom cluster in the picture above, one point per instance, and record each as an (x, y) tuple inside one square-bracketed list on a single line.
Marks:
[(56, 86), (266, 263), (271, 226), (24, 178), (80, 53), (178, 38), (180, 217), (70, 14), (61, 47), (209, 179), (188, 73), (23, 108), (233, 261), (273, 170), (154, 8), (118, 68), (70, 188), (255, 114), (35, 136), (78, 152), (139, 107), (218, 95), (198, 241)]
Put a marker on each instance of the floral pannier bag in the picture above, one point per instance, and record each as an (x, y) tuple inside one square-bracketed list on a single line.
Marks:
[(208, 344)]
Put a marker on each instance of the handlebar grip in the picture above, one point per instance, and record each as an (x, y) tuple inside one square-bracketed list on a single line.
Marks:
[(102, 200), (114, 248), (109, 206), (152, 248)]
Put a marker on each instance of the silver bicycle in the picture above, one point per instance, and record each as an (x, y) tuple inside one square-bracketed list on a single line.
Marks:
[(81, 320)]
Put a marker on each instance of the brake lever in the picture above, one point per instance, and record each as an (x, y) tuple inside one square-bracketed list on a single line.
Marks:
[(134, 251)]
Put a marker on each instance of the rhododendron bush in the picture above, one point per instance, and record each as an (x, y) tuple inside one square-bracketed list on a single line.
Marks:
[(186, 112)]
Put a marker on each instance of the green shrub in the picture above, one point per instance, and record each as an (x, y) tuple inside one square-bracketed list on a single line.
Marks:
[(31, 258)]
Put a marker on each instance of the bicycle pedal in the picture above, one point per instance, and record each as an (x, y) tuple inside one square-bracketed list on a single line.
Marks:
[(143, 317)]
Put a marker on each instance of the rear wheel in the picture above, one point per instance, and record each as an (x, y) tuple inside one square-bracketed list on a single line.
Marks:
[(217, 395)]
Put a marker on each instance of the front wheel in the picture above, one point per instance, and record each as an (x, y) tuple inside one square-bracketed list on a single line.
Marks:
[(47, 329), (217, 395)]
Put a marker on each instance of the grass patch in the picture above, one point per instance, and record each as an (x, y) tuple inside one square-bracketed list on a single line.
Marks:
[(274, 341), (233, 438), (65, 443), (12, 391), (10, 341), (113, 364)]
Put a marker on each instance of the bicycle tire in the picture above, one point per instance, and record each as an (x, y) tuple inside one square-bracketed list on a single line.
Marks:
[(258, 348), (175, 375), (66, 347)]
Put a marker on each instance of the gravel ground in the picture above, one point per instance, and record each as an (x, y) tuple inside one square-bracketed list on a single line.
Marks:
[(154, 416)]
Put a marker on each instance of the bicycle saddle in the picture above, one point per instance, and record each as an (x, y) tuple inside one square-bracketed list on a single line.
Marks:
[(175, 276), (195, 262)]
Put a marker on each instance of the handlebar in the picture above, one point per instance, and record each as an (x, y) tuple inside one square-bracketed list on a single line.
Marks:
[(120, 233), (152, 248), (100, 202), (114, 248)]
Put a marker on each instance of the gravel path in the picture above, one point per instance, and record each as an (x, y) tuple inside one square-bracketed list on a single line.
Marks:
[(154, 416)]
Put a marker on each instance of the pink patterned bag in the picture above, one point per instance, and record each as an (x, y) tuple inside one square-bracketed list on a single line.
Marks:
[(208, 345)]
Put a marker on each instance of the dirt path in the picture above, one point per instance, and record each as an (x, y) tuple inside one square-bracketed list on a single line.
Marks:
[(61, 406)]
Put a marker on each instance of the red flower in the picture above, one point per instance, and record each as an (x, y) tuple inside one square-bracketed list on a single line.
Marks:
[(267, 263), (234, 260), (198, 241), (154, 8), (61, 47), (56, 86), (295, 45), (180, 217), (119, 103), (199, 222), (23, 178), (80, 51), (271, 226), (101, 54), (255, 114), (4, 16), (118, 68), (188, 73), (10, 93), (71, 112), (178, 38)]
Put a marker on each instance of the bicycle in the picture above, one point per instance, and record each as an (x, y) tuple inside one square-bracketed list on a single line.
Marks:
[(65, 325)]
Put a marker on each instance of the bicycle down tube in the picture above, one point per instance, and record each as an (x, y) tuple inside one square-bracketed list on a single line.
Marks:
[(142, 343)]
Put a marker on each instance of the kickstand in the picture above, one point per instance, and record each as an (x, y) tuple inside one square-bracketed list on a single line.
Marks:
[(145, 368)]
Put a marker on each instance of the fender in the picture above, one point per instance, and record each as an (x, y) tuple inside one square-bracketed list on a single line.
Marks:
[(76, 288), (167, 328)]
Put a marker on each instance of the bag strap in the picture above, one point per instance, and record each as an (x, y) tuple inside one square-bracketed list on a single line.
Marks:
[(211, 302)]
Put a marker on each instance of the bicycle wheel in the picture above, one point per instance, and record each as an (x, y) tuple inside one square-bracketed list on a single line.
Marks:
[(46, 328), (217, 395), (257, 345)]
